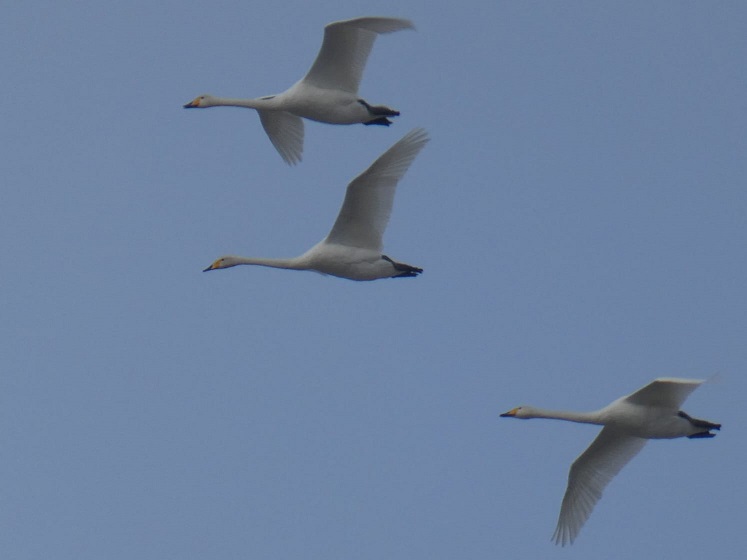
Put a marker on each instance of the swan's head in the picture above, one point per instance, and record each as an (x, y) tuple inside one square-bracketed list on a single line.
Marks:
[(223, 262), (201, 101), (519, 412)]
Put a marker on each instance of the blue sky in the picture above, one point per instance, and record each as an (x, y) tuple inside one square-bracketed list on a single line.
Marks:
[(579, 213)]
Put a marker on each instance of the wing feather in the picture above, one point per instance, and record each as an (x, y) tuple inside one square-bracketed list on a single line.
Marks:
[(370, 196), (345, 50), (588, 477), (665, 392), (286, 134)]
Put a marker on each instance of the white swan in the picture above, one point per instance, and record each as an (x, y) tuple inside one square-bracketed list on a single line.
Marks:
[(650, 413), (329, 91), (353, 248)]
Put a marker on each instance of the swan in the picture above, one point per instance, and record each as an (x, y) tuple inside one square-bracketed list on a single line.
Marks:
[(352, 249), (652, 412), (328, 93)]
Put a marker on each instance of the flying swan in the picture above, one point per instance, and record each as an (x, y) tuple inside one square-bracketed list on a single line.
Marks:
[(329, 91), (353, 248), (652, 412)]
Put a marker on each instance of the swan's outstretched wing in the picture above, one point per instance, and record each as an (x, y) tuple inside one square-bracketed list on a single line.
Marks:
[(589, 475), (665, 392), (346, 46), (286, 133), (368, 201)]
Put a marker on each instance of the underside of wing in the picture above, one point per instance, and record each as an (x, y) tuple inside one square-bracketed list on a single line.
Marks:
[(345, 50), (286, 134), (666, 392), (370, 196), (589, 475)]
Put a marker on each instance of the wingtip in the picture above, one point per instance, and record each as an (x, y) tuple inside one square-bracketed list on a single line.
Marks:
[(291, 160), (417, 136), (562, 537), (377, 24), (408, 24), (418, 132)]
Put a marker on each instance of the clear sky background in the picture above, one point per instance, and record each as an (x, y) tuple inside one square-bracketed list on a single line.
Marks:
[(580, 214)]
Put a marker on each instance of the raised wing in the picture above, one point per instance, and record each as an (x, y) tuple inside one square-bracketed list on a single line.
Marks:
[(345, 49), (589, 475), (369, 198), (665, 392), (286, 134)]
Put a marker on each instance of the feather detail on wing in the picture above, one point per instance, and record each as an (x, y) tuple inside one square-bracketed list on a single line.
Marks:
[(589, 475), (286, 133), (369, 198), (345, 50), (665, 392)]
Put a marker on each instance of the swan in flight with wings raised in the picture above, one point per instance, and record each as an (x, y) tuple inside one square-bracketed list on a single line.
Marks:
[(353, 248), (328, 93)]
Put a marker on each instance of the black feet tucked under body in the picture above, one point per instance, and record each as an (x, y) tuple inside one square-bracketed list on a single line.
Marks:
[(701, 435), (379, 120), (379, 113), (405, 270), (705, 424)]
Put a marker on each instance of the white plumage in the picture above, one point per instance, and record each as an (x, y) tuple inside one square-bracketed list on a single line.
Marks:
[(352, 249), (652, 412), (327, 93)]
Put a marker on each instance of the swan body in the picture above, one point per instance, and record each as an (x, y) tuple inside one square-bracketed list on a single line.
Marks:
[(652, 412), (329, 91), (352, 249)]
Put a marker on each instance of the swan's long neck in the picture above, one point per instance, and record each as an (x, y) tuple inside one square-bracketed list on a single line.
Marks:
[(570, 416), (293, 263), (256, 103)]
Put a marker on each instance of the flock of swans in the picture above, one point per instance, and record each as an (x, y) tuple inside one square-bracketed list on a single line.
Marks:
[(328, 93)]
